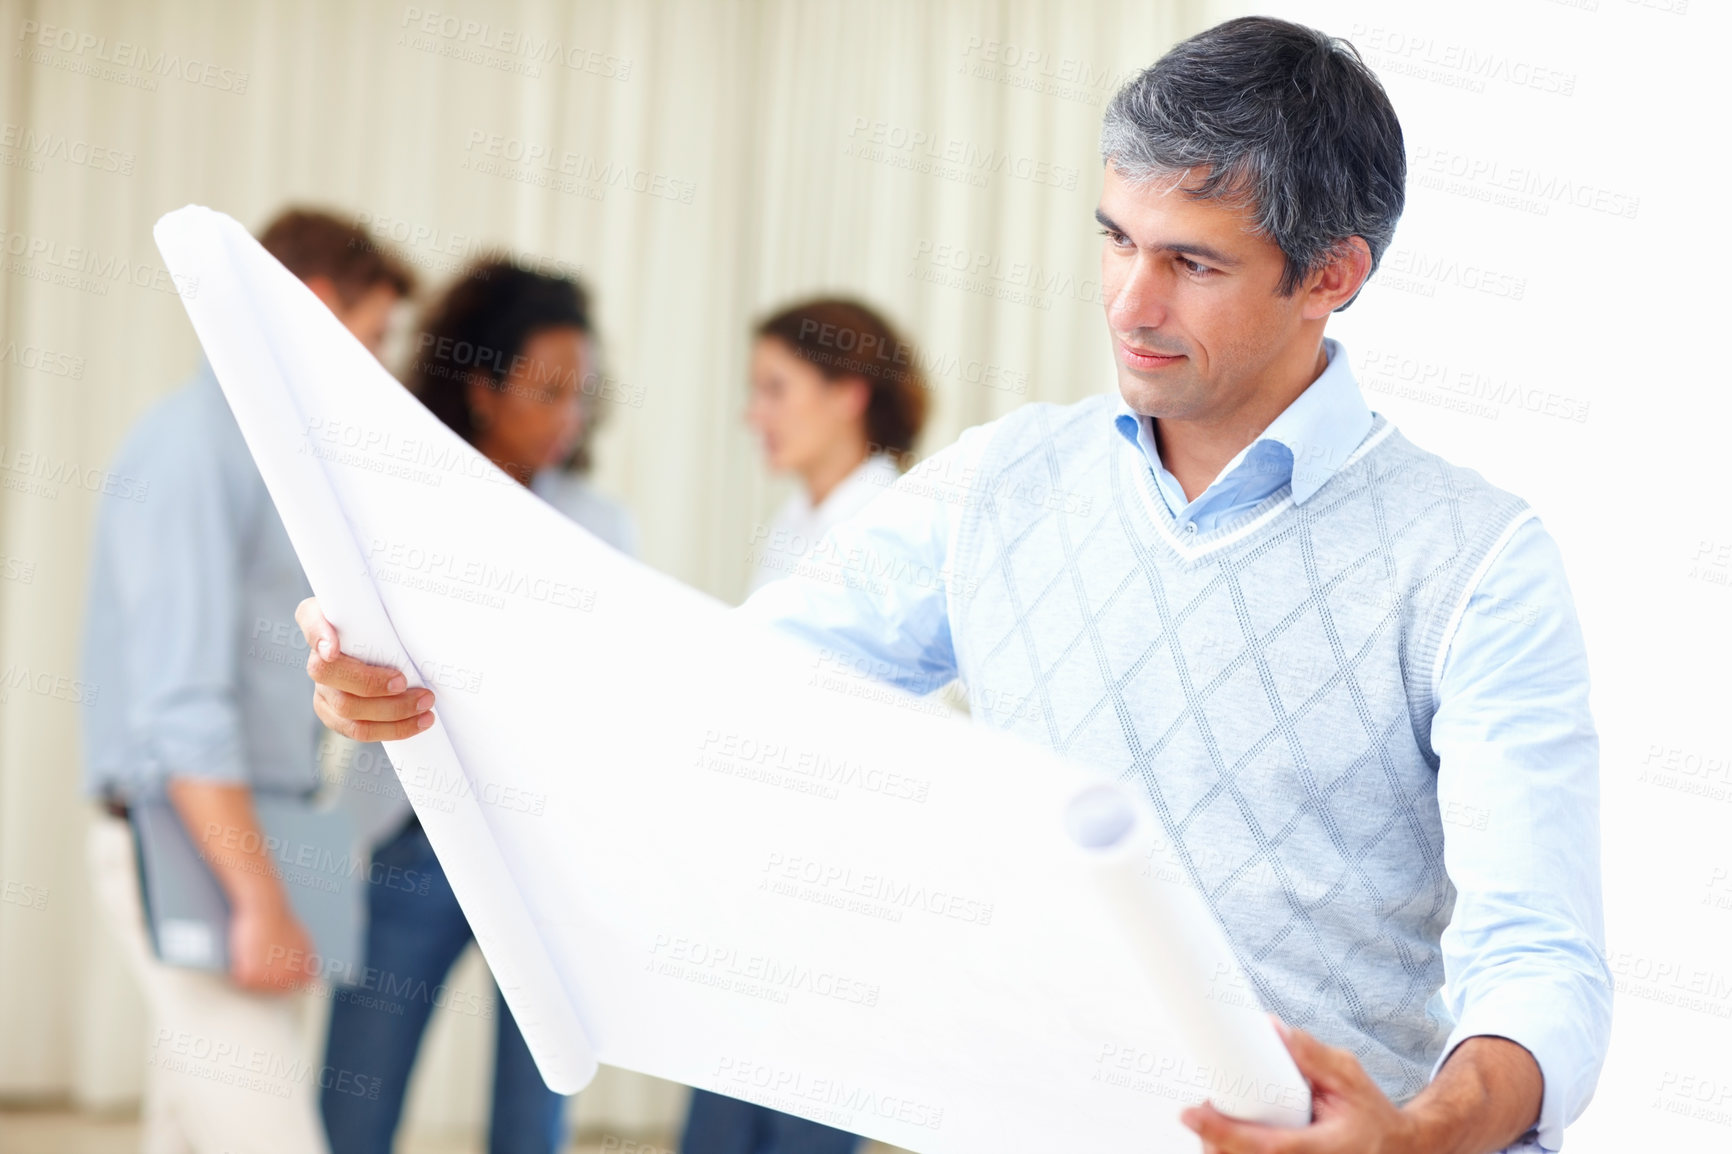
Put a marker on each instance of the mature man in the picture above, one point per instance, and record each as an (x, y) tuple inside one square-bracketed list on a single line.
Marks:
[(188, 632), (1348, 673)]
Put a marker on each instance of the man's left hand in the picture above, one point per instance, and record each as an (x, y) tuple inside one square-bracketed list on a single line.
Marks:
[(1349, 1113)]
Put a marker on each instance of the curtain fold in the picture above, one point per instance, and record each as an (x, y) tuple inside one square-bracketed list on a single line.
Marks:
[(700, 161)]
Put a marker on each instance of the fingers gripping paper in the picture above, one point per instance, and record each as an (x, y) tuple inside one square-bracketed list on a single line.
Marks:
[(680, 857)]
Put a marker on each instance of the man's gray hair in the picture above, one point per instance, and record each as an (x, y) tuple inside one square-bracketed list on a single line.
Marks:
[(1274, 116)]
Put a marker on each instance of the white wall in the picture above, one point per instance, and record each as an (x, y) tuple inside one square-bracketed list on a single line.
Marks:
[(1575, 150)]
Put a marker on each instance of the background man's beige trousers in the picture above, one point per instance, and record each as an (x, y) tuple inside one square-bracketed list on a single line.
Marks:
[(227, 1072)]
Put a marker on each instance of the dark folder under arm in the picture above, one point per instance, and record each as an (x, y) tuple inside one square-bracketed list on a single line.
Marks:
[(313, 851)]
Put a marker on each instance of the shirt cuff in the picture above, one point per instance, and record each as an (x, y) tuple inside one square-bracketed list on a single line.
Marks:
[(1527, 1145), (1540, 1026), (204, 745)]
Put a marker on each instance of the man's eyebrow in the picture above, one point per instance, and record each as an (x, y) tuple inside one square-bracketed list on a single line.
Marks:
[(1187, 248)]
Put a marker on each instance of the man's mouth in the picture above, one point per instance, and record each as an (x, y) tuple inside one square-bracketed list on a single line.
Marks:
[(1138, 358)]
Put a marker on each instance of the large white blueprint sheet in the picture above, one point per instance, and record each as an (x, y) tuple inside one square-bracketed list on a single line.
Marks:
[(681, 856)]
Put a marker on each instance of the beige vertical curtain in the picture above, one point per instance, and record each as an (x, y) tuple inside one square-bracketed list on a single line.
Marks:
[(699, 161)]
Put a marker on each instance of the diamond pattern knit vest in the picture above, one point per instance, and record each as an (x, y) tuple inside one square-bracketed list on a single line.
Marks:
[(1269, 683)]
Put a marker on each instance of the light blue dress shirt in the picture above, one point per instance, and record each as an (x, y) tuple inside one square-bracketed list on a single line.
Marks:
[(191, 629), (1524, 951)]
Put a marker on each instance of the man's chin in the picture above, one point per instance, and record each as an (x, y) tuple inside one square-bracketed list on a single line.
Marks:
[(1149, 398)]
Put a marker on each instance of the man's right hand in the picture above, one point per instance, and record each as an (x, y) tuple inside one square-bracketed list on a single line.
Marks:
[(269, 949), (268, 946), (360, 701)]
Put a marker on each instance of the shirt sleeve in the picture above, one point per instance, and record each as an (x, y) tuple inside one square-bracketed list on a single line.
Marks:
[(177, 564), (1518, 787), (874, 595)]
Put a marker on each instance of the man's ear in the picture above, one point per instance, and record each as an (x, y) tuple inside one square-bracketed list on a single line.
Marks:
[(1341, 276)]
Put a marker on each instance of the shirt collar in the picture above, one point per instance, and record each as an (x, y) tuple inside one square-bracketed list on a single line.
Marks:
[(1319, 429)]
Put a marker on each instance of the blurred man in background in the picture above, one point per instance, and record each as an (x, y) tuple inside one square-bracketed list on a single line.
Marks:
[(191, 597)]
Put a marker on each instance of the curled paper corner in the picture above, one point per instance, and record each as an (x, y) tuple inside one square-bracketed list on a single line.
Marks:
[(1251, 1074)]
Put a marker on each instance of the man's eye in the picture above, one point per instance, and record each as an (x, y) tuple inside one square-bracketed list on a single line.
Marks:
[(1115, 236), (1195, 269)]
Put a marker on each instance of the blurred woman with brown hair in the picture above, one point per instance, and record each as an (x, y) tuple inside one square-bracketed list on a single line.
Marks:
[(838, 398)]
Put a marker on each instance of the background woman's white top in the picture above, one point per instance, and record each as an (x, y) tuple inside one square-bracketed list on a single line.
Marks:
[(799, 525)]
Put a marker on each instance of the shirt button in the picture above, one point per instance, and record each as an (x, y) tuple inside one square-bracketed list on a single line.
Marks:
[(1190, 526)]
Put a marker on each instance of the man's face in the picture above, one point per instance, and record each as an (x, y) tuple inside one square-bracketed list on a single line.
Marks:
[(1191, 301), (369, 318)]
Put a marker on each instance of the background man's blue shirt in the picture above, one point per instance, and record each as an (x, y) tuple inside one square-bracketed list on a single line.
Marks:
[(190, 630)]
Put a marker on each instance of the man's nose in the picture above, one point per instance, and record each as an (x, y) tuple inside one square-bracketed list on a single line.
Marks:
[(1139, 300)]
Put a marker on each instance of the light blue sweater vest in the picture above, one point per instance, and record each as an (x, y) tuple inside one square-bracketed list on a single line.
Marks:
[(1269, 683)]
